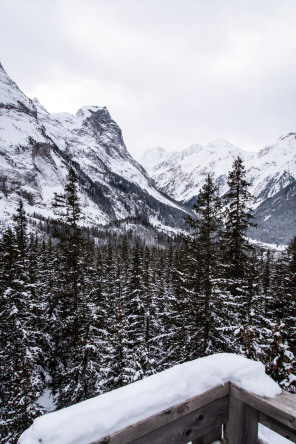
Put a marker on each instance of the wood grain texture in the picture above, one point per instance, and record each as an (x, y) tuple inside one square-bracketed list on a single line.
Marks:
[(167, 416), (282, 407), (209, 438), (242, 425), (191, 426)]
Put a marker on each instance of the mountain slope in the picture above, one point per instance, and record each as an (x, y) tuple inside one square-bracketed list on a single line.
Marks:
[(181, 175), (273, 168), (271, 173), (276, 217), (37, 149)]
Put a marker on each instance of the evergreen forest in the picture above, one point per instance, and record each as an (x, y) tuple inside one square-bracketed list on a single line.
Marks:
[(80, 317)]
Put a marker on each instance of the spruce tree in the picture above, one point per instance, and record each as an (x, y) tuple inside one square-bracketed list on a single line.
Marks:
[(278, 358), (237, 250), (136, 312), (157, 290), (238, 217), (181, 308), (75, 341), (255, 319), (284, 296), (21, 355), (206, 239), (291, 280), (113, 324)]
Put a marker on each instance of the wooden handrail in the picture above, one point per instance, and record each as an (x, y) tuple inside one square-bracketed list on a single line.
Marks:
[(200, 419)]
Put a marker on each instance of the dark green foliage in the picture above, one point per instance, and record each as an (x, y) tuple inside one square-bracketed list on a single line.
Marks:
[(237, 221), (21, 354), (76, 338), (205, 246), (238, 255), (279, 359)]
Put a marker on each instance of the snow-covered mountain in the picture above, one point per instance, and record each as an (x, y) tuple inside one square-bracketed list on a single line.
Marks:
[(154, 156), (273, 168), (271, 173), (182, 174), (37, 148)]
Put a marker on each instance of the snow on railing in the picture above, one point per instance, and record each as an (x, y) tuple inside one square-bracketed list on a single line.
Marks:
[(197, 401)]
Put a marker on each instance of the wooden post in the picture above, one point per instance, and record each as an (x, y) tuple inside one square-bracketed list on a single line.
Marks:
[(242, 425)]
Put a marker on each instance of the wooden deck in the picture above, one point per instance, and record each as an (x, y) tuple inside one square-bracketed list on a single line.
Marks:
[(227, 412)]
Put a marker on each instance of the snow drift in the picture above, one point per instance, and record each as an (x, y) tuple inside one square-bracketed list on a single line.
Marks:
[(103, 415)]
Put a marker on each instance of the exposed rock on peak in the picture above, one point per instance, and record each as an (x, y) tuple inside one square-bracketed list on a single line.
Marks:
[(86, 111), (38, 147)]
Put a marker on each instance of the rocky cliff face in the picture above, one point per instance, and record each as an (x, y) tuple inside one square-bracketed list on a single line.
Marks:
[(37, 148)]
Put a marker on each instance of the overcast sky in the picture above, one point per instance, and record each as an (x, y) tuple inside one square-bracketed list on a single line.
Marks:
[(171, 72)]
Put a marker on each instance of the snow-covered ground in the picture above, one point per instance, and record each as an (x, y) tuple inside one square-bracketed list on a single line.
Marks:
[(267, 436), (103, 415), (266, 246)]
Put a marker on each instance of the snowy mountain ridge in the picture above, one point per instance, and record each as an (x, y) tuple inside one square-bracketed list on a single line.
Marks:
[(271, 173), (37, 148), (182, 174), (272, 167)]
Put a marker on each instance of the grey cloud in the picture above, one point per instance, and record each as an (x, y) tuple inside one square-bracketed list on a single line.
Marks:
[(171, 72)]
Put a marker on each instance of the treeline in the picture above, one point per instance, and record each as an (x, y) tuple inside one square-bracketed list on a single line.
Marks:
[(78, 319)]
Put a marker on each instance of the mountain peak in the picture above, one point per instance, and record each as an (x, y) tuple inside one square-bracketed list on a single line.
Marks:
[(87, 111), (40, 108), (12, 98), (291, 135), (37, 148)]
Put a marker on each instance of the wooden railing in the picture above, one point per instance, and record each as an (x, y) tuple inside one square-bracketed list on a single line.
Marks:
[(227, 412)]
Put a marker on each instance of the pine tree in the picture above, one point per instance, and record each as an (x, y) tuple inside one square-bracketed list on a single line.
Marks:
[(113, 324), (238, 219), (255, 320), (278, 358), (267, 270), (183, 332), (206, 254), (156, 281), (291, 280), (118, 352), (139, 362), (75, 343), (237, 249), (68, 207), (284, 296), (7, 260), (21, 355)]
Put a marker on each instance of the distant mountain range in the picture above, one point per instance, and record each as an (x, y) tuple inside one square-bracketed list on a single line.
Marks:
[(271, 173), (37, 148)]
